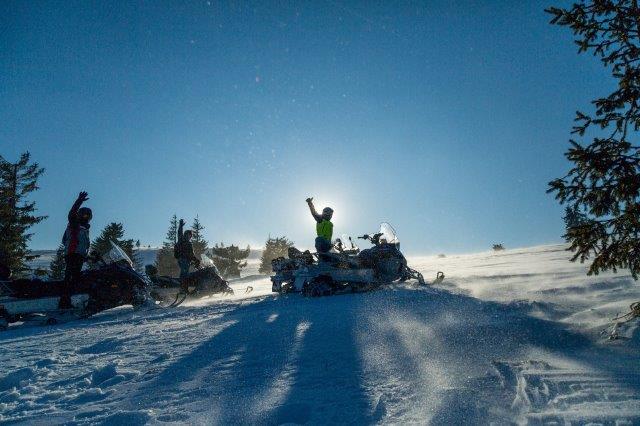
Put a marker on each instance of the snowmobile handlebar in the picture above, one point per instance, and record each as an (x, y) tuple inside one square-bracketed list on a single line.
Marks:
[(374, 239)]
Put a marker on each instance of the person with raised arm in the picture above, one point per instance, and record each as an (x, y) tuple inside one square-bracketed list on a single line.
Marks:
[(76, 243), (183, 251), (324, 227)]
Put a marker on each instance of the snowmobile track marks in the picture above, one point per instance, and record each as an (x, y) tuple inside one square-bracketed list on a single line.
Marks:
[(543, 393)]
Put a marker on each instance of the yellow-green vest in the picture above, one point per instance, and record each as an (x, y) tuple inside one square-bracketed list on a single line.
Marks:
[(325, 229)]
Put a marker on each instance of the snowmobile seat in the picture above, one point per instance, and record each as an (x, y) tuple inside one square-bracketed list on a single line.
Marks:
[(305, 256), (204, 278), (164, 282), (32, 288), (326, 258), (332, 258)]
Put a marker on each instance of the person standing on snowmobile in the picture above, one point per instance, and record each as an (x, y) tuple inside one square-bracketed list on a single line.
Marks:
[(183, 251), (324, 227), (76, 247)]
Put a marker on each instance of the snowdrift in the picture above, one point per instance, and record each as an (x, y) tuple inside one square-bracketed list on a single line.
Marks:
[(508, 337)]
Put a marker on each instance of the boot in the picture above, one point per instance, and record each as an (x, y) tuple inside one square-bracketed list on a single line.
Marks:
[(65, 302)]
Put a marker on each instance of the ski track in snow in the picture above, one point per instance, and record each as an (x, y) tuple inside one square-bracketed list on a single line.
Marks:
[(509, 338)]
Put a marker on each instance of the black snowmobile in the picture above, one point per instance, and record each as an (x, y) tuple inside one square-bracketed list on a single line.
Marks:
[(203, 282), (110, 281), (346, 269)]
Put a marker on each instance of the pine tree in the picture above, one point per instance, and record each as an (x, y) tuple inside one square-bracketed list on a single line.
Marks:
[(229, 260), (115, 232), (274, 248), (138, 255), (58, 265), (172, 232), (200, 245), (573, 217), (604, 182), (17, 215), (166, 262)]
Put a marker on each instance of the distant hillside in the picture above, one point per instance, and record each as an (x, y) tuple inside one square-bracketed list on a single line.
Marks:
[(148, 255), (44, 259)]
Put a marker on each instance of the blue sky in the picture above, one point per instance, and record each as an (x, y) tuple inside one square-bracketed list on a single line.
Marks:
[(445, 118)]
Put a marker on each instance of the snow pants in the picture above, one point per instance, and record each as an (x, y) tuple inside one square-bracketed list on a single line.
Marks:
[(322, 245), (72, 276), (184, 265)]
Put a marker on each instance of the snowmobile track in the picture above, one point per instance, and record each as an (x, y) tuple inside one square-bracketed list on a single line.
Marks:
[(543, 394)]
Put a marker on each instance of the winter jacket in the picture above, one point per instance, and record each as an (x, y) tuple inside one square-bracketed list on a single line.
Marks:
[(76, 237), (324, 229), (183, 248)]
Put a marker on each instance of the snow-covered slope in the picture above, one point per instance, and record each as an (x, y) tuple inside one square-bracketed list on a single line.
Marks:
[(508, 337)]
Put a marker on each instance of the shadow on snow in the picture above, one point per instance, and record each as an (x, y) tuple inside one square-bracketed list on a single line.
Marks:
[(416, 354)]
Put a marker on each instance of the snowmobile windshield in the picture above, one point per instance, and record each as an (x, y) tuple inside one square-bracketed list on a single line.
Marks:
[(117, 255), (388, 234)]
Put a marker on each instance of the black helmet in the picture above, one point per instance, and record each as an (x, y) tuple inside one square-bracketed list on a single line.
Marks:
[(85, 214), (327, 213)]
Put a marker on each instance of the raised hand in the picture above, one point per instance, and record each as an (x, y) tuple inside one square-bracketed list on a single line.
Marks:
[(310, 199), (83, 196), (181, 223)]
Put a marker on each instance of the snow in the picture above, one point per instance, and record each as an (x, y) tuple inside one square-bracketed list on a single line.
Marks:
[(44, 259), (509, 337)]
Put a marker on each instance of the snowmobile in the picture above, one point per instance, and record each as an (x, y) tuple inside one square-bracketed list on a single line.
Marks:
[(110, 281), (345, 269), (204, 281)]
